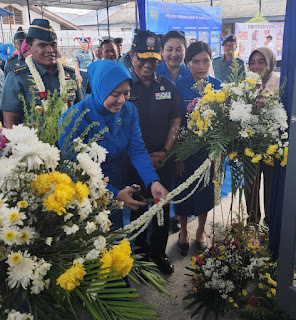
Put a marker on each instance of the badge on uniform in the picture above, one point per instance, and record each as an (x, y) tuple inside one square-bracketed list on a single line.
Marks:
[(162, 96), (119, 122)]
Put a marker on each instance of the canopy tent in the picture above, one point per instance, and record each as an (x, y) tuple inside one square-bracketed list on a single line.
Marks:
[(4, 12)]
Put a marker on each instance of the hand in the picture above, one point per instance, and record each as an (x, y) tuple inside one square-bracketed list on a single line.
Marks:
[(157, 158), (180, 168), (125, 195), (79, 78), (158, 191)]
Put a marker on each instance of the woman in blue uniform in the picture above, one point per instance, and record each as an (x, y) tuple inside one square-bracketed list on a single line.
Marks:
[(173, 53), (198, 60), (110, 83)]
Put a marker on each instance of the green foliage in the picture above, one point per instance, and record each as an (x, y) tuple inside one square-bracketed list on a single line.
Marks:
[(257, 18)]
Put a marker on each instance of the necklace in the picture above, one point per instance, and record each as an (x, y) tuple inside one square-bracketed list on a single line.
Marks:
[(39, 82)]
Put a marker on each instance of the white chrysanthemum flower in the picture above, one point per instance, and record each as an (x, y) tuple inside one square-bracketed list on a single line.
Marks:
[(26, 235), (71, 230), (97, 152), (68, 216), (19, 134), (252, 75), (93, 254), (84, 209), (16, 315), (90, 227), (103, 220), (22, 272), (280, 114), (78, 144), (13, 216), (92, 169), (9, 234), (240, 111), (238, 91), (48, 241), (38, 283), (7, 165), (78, 260), (100, 243), (3, 201)]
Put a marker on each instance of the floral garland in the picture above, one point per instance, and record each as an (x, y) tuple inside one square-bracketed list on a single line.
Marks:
[(143, 221), (38, 80)]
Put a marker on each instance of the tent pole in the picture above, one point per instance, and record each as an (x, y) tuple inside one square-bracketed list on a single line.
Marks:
[(2, 30), (28, 7), (10, 28), (108, 18), (136, 15)]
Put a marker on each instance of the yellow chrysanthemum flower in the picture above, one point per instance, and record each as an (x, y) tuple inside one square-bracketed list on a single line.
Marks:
[(193, 262), (249, 132), (257, 158), (273, 291), (208, 88), (284, 161), (269, 161), (81, 191), (22, 204), (232, 155), (220, 97), (235, 305), (260, 285), (53, 204), (249, 153), (272, 149), (244, 292), (230, 300), (15, 258), (72, 277)]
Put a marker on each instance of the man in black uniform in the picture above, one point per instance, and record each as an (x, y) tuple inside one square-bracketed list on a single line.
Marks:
[(160, 111), (42, 72), (16, 60)]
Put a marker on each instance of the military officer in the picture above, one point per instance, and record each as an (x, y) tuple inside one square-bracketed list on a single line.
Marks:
[(118, 42), (42, 72), (16, 60), (222, 64), (160, 111)]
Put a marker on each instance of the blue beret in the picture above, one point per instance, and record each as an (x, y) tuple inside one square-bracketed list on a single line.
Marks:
[(83, 39), (20, 34), (230, 38), (42, 30)]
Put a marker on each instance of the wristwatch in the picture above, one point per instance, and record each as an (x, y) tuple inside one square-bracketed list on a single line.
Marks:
[(165, 150)]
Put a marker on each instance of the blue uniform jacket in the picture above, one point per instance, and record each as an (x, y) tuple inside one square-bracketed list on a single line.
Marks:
[(163, 70), (125, 136)]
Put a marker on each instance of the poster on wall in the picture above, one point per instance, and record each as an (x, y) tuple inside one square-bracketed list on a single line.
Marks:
[(251, 36), (201, 23)]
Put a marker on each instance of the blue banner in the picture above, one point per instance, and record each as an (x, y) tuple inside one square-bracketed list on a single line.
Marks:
[(201, 23)]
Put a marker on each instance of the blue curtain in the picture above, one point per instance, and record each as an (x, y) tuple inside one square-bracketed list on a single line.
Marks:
[(288, 72), (142, 13)]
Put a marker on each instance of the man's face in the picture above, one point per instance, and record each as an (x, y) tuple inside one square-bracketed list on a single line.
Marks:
[(84, 45), (229, 47), (44, 53), (119, 48), (17, 44), (98, 53), (144, 68), (109, 51)]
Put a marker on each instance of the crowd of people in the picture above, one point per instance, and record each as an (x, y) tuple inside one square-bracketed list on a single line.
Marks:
[(141, 97)]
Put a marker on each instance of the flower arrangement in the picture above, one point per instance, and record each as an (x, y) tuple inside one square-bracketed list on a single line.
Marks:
[(58, 254), (235, 273), (240, 121)]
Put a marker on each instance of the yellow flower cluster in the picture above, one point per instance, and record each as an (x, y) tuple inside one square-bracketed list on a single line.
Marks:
[(211, 96), (119, 258), (232, 155), (285, 159), (72, 277), (64, 190)]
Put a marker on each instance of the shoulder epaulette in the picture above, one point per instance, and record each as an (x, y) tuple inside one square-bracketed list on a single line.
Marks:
[(69, 68), (12, 57), (21, 69)]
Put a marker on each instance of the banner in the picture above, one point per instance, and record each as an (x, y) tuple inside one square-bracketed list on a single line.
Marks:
[(251, 36), (201, 23)]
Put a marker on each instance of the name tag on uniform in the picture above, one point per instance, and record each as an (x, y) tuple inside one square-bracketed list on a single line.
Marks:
[(162, 96)]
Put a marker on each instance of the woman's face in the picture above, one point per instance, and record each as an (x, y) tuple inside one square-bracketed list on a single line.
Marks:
[(199, 65), (173, 53), (118, 97), (258, 63)]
